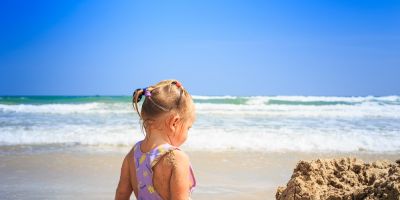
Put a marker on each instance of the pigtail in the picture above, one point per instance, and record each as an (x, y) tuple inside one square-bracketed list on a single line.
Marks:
[(137, 96)]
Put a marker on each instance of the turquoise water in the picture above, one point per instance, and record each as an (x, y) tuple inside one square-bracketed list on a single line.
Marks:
[(260, 123)]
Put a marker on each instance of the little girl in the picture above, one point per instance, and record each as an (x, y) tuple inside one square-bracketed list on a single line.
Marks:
[(156, 168)]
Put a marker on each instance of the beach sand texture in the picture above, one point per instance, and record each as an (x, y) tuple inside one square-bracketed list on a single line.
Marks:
[(94, 175), (344, 178)]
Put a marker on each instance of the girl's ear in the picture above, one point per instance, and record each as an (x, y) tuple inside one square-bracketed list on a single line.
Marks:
[(173, 122)]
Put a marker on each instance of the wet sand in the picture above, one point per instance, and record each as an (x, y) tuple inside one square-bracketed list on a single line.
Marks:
[(94, 174)]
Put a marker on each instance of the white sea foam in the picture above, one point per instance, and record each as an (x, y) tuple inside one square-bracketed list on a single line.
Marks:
[(258, 100), (349, 99), (367, 109), (213, 97), (362, 123), (83, 108), (291, 140), (70, 134), (214, 139), (329, 111)]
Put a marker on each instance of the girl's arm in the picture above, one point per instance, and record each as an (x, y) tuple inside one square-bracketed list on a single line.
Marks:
[(124, 189), (180, 177)]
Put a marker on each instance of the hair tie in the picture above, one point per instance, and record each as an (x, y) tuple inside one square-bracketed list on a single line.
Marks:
[(178, 84), (146, 92)]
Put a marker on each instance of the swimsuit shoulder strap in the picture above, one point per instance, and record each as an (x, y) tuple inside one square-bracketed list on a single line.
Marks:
[(154, 155), (157, 153)]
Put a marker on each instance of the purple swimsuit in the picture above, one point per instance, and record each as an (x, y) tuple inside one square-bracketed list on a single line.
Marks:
[(144, 163)]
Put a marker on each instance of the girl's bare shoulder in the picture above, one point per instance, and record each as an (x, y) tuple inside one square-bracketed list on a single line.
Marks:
[(175, 158)]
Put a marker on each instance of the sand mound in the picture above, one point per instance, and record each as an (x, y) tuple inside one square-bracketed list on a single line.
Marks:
[(344, 178)]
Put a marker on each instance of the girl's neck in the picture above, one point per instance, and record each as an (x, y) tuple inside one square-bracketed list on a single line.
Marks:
[(154, 139)]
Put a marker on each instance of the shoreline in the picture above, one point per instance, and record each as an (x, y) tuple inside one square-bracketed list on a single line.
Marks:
[(94, 175)]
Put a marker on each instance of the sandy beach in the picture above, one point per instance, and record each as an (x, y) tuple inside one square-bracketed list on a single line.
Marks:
[(71, 173)]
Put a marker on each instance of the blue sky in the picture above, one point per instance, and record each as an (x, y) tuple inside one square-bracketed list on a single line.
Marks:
[(298, 47)]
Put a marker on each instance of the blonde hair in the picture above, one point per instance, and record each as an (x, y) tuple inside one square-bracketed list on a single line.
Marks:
[(164, 97)]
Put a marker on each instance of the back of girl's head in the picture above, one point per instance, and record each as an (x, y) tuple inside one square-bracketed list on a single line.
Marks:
[(167, 96)]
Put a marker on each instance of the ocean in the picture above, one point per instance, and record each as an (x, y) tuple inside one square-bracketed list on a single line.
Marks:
[(233, 123)]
